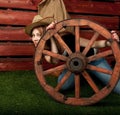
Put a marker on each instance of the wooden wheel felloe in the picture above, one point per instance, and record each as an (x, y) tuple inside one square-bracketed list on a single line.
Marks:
[(77, 63)]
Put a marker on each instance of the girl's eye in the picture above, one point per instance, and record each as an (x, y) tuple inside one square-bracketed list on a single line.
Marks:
[(38, 34)]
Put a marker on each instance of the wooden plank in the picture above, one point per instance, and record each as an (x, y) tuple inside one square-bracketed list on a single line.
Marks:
[(20, 4), (11, 64), (16, 49), (88, 34), (109, 22), (12, 17), (117, 1), (92, 7), (13, 34)]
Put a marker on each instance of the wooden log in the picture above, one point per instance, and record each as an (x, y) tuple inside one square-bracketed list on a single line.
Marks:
[(92, 7), (11, 17), (16, 49), (20, 4), (117, 1), (13, 34), (11, 64), (111, 22)]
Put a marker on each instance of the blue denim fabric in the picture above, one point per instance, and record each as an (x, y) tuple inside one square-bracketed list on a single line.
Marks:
[(104, 77), (101, 76), (69, 83)]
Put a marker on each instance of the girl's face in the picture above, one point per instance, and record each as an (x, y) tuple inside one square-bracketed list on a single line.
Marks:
[(36, 35)]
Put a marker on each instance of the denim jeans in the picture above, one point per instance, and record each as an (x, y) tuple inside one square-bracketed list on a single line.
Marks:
[(101, 76)]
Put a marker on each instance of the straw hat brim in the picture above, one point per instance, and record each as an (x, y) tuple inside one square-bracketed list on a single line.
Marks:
[(42, 22)]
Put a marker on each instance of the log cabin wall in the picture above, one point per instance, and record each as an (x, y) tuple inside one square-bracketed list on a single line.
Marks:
[(17, 49)]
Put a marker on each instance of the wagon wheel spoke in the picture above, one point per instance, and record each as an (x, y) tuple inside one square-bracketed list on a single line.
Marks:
[(55, 55), (62, 43), (51, 70), (77, 85), (90, 81), (77, 39), (99, 55), (94, 37), (63, 80), (99, 69)]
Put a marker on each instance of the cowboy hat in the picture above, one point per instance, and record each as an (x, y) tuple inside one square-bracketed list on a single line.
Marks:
[(38, 21)]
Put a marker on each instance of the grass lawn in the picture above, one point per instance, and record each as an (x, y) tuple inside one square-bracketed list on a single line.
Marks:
[(21, 94)]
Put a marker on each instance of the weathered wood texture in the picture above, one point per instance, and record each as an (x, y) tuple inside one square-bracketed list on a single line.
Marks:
[(16, 48)]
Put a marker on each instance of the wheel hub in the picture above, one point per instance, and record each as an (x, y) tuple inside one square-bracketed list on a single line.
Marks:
[(76, 62)]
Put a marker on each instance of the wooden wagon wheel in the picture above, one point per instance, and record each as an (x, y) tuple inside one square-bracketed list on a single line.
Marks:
[(78, 63)]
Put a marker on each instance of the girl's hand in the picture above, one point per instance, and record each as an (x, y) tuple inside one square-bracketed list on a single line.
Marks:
[(115, 36), (51, 26)]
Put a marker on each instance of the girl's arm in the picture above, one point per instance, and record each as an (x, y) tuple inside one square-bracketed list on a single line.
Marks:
[(97, 44), (101, 43)]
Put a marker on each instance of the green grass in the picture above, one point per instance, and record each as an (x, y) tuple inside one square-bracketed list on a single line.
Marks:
[(21, 94)]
